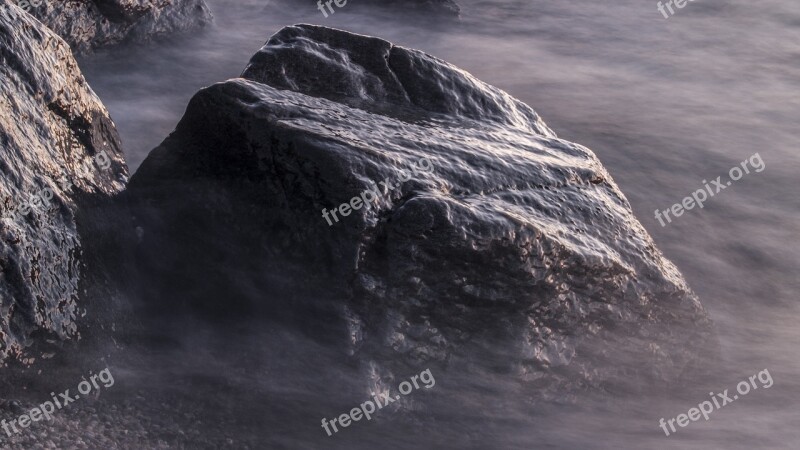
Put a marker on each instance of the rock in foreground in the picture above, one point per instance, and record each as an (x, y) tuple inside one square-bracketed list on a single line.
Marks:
[(485, 235), (60, 150)]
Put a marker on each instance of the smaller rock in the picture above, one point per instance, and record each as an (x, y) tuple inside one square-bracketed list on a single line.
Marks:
[(87, 25)]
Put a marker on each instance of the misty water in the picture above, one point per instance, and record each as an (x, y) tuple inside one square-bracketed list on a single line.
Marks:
[(664, 103)]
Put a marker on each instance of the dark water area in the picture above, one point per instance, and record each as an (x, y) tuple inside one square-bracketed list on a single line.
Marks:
[(664, 103)]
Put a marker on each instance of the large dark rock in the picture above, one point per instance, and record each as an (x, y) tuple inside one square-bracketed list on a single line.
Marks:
[(90, 24), (515, 249), (60, 152)]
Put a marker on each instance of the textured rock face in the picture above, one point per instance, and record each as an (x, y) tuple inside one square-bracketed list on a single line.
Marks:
[(90, 24), (60, 150), (516, 248)]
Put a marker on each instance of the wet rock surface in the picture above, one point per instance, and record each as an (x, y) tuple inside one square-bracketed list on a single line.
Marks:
[(60, 153), (87, 25), (516, 248)]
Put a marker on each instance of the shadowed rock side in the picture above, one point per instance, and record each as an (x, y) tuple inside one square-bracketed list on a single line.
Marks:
[(516, 247), (60, 151), (91, 24)]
